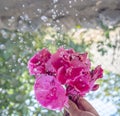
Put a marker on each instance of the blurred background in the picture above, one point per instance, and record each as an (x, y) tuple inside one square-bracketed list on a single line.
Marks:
[(86, 26)]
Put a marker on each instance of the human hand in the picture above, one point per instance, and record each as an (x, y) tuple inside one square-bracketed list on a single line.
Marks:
[(83, 108)]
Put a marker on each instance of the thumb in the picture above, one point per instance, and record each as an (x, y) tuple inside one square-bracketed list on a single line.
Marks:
[(71, 108), (87, 106)]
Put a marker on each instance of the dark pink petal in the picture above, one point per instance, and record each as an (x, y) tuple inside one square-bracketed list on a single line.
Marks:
[(59, 59), (97, 73), (73, 72), (49, 92), (39, 69), (81, 86), (70, 51), (64, 75), (71, 91), (61, 75), (80, 60), (95, 87), (56, 61), (49, 68), (38, 61), (66, 67), (82, 57)]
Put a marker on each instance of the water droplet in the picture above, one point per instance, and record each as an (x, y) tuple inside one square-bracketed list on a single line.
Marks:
[(13, 35), (70, 6), (55, 1), (21, 40), (13, 70), (21, 17), (26, 17), (27, 101), (70, 2), (54, 16), (39, 10), (13, 57), (6, 8), (76, 14), (6, 62), (2, 46), (44, 111), (9, 66), (44, 18), (67, 12), (29, 22), (4, 34), (55, 6), (48, 24), (83, 85), (20, 22), (80, 80), (22, 64), (33, 43), (57, 21), (84, 19), (23, 5), (19, 60)]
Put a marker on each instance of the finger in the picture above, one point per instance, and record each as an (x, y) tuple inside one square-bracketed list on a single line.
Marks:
[(71, 108), (79, 105), (87, 106), (65, 113), (76, 99)]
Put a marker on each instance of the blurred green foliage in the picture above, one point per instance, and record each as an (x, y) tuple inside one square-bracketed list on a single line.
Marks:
[(16, 85)]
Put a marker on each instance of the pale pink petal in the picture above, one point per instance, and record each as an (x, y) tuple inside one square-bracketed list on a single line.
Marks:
[(49, 92)]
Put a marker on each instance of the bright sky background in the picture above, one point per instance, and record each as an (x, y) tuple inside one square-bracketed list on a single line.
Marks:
[(104, 109)]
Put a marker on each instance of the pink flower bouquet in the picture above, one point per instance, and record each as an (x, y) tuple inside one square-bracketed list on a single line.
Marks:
[(61, 75)]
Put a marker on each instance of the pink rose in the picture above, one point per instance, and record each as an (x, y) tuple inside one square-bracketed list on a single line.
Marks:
[(36, 64), (69, 64), (85, 82), (97, 73), (95, 87), (66, 74), (81, 83), (80, 60), (67, 67), (69, 58), (49, 92), (61, 58)]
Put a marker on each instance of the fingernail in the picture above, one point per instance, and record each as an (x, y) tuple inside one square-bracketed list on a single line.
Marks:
[(66, 104), (80, 97)]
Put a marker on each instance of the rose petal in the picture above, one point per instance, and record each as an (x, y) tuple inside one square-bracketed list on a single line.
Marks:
[(36, 64), (95, 87), (97, 73), (49, 92)]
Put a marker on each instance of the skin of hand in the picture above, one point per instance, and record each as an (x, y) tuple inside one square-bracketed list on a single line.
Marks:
[(83, 108)]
